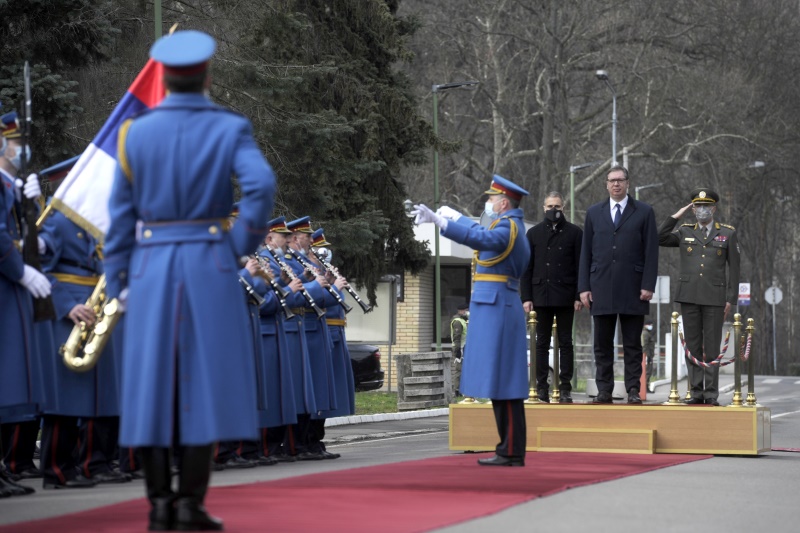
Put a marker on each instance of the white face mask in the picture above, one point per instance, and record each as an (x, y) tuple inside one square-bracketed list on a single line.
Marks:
[(16, 160), (649, 328), (489, 210)]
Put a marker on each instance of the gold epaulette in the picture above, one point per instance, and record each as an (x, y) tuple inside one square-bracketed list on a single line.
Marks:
[(288, 256), (727, 226), (685, 225)]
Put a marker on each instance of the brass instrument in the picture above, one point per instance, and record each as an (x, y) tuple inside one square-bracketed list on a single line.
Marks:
[(333, 270), (85, 343), (291, 275), (310, 269)]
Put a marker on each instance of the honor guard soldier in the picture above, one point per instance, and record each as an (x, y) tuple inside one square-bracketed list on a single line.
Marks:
[(22, 393), (707, 288), (497, 364), (85, 409), (317, 337), (343, 381), (172, 261)]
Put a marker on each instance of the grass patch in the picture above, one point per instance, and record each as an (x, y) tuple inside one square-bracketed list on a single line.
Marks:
[(376, 402)]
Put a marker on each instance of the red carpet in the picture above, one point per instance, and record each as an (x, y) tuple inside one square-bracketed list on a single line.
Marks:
[(395, 498)]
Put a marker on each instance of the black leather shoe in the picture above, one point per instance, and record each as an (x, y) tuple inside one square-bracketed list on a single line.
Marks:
[(543, 396), (603, 397), (565, 397), (11, 488), (285, 458), (712, 401), (694, 401), (310, 456), (329, 455), (79, 482), (633, 397), (109, 477), (29, 473), (499, 460), (236, 462)]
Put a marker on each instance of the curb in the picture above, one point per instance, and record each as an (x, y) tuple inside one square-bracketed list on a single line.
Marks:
[(406, 415)]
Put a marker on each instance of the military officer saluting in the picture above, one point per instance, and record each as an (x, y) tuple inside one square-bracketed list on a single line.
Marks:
[(707, 287)]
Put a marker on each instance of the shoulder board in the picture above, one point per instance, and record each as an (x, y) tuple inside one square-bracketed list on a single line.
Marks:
[(194, 108), (726, 226), (687, 225), (288, 256)]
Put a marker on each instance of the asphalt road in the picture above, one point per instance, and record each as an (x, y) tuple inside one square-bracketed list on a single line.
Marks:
[(727, 494)]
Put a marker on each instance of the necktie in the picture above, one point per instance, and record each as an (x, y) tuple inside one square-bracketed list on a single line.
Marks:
[(617, 216), (705, 233)]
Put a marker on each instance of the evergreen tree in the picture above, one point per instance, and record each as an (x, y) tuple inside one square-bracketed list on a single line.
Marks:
[(338, 119), (55, 37)]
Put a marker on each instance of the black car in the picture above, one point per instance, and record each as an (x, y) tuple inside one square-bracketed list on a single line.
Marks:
[(366, 361)]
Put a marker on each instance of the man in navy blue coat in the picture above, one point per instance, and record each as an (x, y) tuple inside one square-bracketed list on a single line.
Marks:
[(617, 277)]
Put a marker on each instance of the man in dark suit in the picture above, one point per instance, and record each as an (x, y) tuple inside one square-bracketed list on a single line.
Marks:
[(704, 291), (550, 287), (618, 269)]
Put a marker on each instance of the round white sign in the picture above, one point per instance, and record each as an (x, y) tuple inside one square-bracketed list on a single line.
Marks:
[(773, 296)]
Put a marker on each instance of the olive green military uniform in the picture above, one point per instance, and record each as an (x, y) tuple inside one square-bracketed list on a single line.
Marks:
[(703, 288)]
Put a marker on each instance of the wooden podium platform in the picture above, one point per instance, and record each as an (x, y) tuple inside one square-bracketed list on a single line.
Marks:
[(621, 428)]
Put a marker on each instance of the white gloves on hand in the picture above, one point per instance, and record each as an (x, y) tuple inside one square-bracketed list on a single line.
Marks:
[(32, 190), (123, 300), (36, 282), (449, 213), (42, 245), (423, 215)]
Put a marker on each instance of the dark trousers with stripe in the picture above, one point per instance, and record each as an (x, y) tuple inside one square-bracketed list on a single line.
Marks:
[(98, 444), (59, 458), (272, 440), (510, 418), (19, 443), (130, 460), (316, 432), (296, 439)]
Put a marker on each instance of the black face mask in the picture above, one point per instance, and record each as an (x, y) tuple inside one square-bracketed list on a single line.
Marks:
[(553, 215)]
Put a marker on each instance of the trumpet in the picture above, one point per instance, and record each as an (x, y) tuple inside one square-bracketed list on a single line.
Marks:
[(310, 268), (291, 275), (85, 343), (333, 270)]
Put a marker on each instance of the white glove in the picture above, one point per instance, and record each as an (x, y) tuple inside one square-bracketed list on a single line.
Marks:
[(36, 282), (123, 300), (42, 245), (325, 254), (448, 213), (32, 190), (423, 215)]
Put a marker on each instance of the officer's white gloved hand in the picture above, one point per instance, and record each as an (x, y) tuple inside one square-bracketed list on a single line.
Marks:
[(41, 245), (36, 282), (32, 190), (449, 213), (423, 215)]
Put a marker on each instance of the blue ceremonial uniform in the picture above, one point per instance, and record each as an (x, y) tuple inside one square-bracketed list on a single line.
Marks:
[(495, 365), (22, 390), (186, 319), (343, 380)]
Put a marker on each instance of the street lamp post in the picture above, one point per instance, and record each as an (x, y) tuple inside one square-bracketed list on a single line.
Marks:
[(658, 296), (572, 170), (602, 75), (157, 17), (643, 187), (436, 89)]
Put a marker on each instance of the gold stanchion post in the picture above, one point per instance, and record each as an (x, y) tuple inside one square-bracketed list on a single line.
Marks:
[(737, 362), (532, 396), (556, 396), (751, 369), (674, 397)]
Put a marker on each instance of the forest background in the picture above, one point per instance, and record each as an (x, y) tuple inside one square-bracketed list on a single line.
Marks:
[(339, 93)]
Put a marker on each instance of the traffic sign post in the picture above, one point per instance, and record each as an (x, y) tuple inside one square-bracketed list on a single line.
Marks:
[(744, 294), (773, 296)]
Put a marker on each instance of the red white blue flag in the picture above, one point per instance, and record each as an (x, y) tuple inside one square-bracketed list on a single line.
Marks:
[(84, 193)]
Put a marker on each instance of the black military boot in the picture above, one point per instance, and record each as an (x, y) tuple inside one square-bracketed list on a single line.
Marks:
[(156, 464), (190, 514)]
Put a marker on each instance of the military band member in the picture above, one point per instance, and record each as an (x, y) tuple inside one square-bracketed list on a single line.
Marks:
[(85, 408), (22, 393), (707, 288), (188, 370), (497, 364), (343, 381), (317, 338)]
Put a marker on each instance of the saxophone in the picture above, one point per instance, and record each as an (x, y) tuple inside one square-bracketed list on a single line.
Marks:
[(85, 343)]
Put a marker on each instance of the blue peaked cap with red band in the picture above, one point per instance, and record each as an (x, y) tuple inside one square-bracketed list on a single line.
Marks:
[(501, 185), (184, 52)]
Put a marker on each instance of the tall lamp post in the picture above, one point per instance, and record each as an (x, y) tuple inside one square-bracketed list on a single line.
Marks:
[(643, 187), (157, 17), (572, 170), (658, 297), (602, 75), (436, 89)]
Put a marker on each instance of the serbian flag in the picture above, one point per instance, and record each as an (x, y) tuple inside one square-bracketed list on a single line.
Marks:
[(84, 193)]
